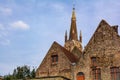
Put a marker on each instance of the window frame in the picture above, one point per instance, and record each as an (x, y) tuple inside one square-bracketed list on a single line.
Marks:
[(93, 61), (54, 58), (115, 73), (96, 72)]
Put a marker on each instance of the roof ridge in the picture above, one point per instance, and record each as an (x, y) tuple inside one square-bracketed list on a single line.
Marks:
[(99, 25), (70, 56)]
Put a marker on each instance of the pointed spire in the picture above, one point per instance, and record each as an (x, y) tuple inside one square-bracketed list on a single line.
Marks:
[(73, 14), (66, 36), (80, 36), (73, 29)]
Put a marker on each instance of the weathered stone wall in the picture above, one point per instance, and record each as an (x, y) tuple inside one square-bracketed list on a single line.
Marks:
[(61, 68), (105, 44)]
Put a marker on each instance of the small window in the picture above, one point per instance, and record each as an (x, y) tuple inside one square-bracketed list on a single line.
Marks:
[(54, 58), (93, 61)]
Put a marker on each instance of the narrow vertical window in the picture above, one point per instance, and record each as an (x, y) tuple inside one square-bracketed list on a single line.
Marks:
[(93, 61), (96, 74)]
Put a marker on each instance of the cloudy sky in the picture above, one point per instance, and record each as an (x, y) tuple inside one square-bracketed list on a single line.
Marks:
[(29, 27)]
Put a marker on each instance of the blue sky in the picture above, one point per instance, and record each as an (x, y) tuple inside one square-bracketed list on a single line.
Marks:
[(29, 27)]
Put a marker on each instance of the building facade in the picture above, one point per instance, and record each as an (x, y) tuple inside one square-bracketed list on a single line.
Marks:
[(99, 60)]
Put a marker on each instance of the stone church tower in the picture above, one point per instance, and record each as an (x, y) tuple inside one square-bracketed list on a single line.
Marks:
[(73, 43), (99, 60)]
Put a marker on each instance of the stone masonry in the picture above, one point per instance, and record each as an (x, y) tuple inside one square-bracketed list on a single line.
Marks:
[(94, 62)]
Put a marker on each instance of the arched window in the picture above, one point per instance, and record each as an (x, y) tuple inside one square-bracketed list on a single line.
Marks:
[(115, 73)]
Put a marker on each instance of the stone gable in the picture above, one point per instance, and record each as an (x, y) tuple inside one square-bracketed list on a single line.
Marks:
[(104, 44), (61, 68)]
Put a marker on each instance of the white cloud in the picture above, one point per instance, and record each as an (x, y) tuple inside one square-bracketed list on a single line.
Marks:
[(20, 25), (5, 11), (6, 31)]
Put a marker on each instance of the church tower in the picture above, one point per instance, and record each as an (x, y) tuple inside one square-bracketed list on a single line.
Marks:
[(73, 41)]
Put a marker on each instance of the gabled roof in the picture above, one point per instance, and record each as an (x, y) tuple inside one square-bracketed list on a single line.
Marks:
[(68, 54), (103, 22), (112, 30)]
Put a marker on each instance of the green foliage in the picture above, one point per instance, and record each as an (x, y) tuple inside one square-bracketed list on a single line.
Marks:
[(21, 72), (8, 77), (33, 73)]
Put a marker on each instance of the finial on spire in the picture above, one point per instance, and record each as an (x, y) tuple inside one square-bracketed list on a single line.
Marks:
[(73, 13), (73, 6)]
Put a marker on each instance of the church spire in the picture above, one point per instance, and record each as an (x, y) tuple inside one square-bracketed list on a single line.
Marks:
[(73, 29)]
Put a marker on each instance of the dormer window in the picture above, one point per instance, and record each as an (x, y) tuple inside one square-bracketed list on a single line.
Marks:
[(54, 58)]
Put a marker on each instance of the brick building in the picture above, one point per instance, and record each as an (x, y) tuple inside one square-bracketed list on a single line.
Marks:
[(99, 60)]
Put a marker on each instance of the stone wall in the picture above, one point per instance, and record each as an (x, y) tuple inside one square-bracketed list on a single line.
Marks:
[(61, 68), (105, 44)]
